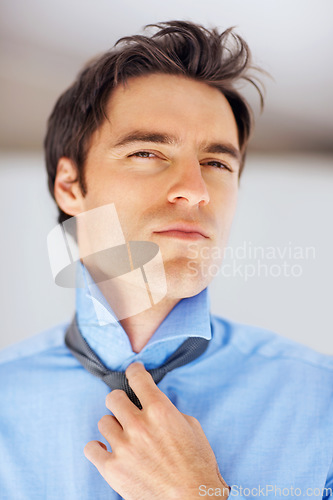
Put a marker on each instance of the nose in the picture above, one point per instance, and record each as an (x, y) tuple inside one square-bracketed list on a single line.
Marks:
[(188, 186)]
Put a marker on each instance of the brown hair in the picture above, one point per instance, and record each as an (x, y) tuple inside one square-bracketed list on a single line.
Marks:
[(177, 48)]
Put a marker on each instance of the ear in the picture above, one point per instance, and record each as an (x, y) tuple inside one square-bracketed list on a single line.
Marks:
[(67, 191)]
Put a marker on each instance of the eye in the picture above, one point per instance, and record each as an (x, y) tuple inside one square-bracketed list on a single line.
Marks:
[(142, 154), (217, 164)]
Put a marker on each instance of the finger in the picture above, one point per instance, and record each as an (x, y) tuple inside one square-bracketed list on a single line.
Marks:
[(194, 424), (143, 384), (121, 407), (111, 429), (96, 452)]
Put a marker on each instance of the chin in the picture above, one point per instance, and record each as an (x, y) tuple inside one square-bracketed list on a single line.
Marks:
[(183, 281)]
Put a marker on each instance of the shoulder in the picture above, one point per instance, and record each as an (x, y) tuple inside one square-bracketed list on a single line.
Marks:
[(253, 341), (46, 342)]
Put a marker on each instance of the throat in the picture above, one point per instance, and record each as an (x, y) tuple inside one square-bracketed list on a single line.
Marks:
[(141, 327)]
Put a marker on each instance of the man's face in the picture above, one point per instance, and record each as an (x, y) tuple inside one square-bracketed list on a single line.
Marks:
[(168, 158)]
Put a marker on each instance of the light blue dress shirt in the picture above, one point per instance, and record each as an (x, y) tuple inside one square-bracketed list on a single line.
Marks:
[(265, 404)]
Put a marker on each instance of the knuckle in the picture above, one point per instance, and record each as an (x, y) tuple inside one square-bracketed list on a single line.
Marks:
[(135, 369), (104, 422), (193, 421), (113, 396), (88, 448), (108, 466), (157, 410), (141, 431), (138, 427)]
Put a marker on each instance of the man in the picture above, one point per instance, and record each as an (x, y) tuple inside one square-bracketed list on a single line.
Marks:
[(150, 142)]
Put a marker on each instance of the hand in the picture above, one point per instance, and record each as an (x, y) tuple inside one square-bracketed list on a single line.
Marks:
[(157, 452)]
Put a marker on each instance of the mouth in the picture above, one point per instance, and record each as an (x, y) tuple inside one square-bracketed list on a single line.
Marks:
[(183, 231)]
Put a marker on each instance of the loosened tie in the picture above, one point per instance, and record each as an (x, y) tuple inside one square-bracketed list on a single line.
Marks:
[(188, 351)]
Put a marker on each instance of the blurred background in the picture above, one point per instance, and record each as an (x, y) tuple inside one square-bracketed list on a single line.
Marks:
[(278, 271)]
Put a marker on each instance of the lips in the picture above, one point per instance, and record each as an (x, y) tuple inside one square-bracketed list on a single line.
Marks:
[(183, 229)]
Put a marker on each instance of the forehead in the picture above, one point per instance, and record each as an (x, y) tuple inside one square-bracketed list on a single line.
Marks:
[(177, 104)]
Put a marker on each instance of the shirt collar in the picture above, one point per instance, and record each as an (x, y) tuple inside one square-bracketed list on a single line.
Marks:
[(105, 335)]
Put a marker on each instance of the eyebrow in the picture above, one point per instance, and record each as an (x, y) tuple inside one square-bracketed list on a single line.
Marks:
[(223, 149), (159, 138), (146, 137)]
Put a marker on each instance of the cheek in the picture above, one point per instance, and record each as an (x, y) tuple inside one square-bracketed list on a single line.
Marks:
[(232, 203), (131, 200), (108, 188), (225, 211), (225, 197)]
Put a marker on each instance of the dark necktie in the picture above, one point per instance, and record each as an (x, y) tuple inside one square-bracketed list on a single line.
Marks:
[(188, 351)]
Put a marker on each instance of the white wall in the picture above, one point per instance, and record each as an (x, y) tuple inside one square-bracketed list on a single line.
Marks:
[(30, 301), (285, 206)]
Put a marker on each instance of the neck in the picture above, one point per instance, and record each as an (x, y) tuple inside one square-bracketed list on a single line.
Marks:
[(141, 327), (138, 327)]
